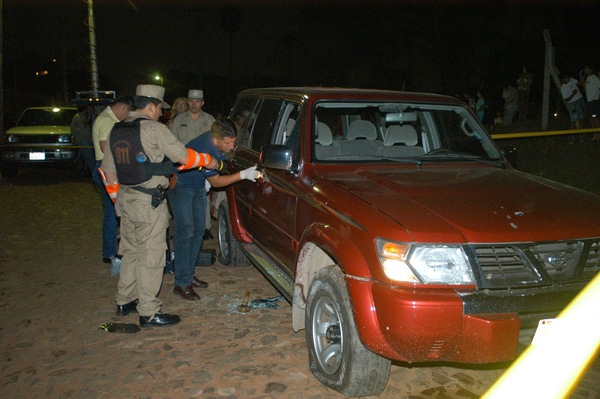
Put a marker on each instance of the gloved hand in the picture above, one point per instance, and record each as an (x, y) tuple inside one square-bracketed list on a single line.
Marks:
[(250, 174)]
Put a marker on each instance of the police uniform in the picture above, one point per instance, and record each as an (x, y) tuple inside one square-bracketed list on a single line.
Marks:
[(185, 128), (143, 229)]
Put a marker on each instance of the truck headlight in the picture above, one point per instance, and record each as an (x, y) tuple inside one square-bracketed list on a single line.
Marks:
[(425, 264)]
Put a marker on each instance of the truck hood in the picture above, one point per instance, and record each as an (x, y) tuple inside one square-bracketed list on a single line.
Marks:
[(475, 204), (30, 130)]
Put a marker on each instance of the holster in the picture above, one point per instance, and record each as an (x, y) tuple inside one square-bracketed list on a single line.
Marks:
[(158, 194)]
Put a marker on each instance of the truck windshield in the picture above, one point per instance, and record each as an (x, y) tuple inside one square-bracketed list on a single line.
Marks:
[(383, 132)]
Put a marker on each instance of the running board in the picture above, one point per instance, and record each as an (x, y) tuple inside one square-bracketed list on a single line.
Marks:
[(280, 279)]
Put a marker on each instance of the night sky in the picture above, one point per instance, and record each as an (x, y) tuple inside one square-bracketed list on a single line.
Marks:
[(448, 47)]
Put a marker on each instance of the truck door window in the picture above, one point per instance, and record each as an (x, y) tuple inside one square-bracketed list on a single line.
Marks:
[(263, 129), (244, 116), (289, 116)]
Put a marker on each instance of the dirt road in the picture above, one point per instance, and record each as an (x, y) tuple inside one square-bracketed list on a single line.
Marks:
[(55, 292)]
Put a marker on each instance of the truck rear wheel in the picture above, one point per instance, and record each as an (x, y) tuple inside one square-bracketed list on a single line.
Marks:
[(336, 355), (231, 253)]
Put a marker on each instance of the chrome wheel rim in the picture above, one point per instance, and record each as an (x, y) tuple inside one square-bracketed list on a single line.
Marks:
[(327, 335)]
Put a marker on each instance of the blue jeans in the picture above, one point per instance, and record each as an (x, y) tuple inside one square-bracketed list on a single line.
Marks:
[(188, 206), (87, 154), (110, 223)]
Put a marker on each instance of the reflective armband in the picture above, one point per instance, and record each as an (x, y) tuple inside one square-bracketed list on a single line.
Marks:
[(111, 189), (195, 159)]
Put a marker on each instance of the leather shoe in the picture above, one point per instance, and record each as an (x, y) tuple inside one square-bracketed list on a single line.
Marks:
[(159, 320), (186, 292), (197, 283), (123, 310)]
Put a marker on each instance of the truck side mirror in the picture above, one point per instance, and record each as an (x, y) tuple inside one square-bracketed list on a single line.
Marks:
[(277, 156)]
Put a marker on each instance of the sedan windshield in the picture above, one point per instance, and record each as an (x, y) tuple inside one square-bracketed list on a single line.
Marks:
[(398, 132)]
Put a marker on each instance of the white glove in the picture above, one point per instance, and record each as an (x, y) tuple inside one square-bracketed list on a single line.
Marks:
[(250, 174)]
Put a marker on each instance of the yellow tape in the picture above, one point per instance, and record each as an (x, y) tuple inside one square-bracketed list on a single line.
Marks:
[(551, 368), (500, 136)]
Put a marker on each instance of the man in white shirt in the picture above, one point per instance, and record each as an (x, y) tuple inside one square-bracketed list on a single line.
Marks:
[(100, 130), (573, 99), (591, 82)]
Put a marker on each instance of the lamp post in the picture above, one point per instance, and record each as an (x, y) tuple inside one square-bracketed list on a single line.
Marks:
[(158, 79)]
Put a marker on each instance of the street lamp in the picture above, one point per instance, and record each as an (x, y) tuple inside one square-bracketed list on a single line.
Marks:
[(159, 78)]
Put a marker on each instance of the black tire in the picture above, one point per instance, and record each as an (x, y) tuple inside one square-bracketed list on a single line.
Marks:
[(336, 355), (231, 253), (9, 170)]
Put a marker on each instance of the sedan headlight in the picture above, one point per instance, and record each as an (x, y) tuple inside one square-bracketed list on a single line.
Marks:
[(12, 139), (425, 264)]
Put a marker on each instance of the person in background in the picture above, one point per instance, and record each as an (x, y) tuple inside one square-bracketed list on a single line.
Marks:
[(101, 128), (81, 130), (523, 90), (509, 94), (574, 101), (179, 107), (144, 215), (188, 201), (591, 82), (192, 123), (480, 106)]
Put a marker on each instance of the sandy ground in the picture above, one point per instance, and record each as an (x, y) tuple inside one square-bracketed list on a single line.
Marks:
[(55, 292)]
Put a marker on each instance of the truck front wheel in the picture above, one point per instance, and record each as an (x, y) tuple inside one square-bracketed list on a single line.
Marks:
[(336, 355)]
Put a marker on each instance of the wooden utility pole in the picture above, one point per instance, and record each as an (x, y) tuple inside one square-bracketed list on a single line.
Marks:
[(92, 33)]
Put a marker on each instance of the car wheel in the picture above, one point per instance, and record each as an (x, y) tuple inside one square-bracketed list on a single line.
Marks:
[(231, 253), (9, 170), (336, 355)]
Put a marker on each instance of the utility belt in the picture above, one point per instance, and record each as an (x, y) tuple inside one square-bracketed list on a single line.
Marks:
[(159, 193)]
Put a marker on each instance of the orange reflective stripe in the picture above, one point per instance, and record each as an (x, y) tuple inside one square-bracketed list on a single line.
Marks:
[(195, 159), (102, 175), (112, 190)]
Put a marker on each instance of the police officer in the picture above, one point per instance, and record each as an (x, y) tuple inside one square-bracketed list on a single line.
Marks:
[(139, 140)]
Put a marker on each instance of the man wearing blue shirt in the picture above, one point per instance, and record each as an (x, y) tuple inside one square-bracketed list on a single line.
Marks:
[(188, 204)]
